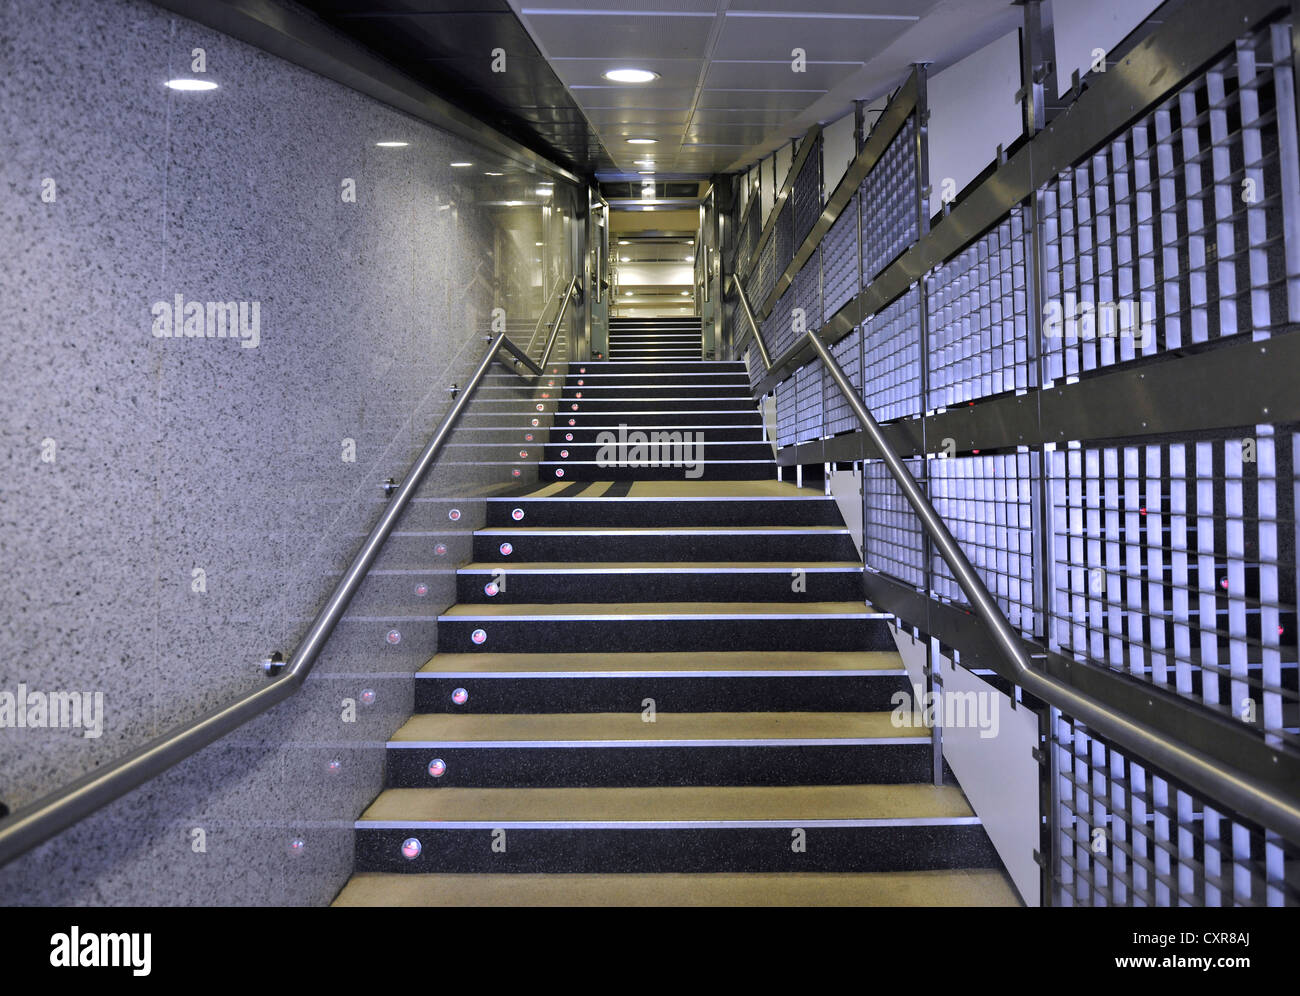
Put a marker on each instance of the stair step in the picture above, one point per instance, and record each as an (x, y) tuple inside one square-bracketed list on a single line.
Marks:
[(669, 504), (787, 805), (673, 829), (622, 750), (922, 888), (798, 581), (802, 663), (696, 444), (665, 626), (591, 406), (632, 544), (640, 389), (699, 682)]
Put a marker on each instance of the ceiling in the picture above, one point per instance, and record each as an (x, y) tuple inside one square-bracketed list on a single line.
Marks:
[(727, 78), (447, 46), (727, 92)]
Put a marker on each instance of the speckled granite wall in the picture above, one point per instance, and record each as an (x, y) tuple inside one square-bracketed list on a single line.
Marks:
[(133, 461)]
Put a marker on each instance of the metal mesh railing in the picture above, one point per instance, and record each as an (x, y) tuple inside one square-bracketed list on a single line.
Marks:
[(1170, 234), (1169, 557), (1124, 836), (979, 338)]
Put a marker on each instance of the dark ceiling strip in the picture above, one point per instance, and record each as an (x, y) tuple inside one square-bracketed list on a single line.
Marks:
[(305, 41)]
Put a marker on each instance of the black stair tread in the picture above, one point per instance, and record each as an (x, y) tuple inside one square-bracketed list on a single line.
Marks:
[(633, 611), (685, 490), (444, 729), (807, 662), (660, 530), (660, 567), (961, 887), (794, 805)]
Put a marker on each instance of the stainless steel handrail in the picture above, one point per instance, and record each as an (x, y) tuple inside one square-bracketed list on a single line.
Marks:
[(753, 325), (42, 819), (1230, 787), (559, 319), (541, 318)]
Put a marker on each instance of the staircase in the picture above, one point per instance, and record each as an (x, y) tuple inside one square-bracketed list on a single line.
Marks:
[(657, 689), (655, 339)]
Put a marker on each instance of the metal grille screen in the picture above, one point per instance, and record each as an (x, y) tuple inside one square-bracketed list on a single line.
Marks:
[(1180, 210), (807, 194), (839, 416), (987, 502), (1176, 562), (892, 541), (979, 319), (889, 202), (840, 259), (892, 359), (1127, 837), (1169, 558)]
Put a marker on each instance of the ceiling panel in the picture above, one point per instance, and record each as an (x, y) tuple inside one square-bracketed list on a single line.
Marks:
[(777, 75), (786, 100), (906, 9), (821, 38), (621, 115), (620, 36), (587, 72), (679, 6), (743, 115)]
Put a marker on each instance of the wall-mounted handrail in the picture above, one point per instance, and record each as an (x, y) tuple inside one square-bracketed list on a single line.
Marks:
[(42, 819), (1227, 786), (753, 325)]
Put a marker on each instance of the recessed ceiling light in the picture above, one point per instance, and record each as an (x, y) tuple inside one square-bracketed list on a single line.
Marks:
[(191, 84), (690, 259), (490, 173), (391, 145), (625, 259), (537, 243), (461, 165), (640, 141), (624, 242), (646, 172), (644, 162), (627, 293), (630, 75), (512, 204)]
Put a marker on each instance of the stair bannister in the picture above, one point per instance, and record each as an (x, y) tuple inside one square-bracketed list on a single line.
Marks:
[(47, 816), (546, 308), (569, 292), (1229, 786), (753, 325)]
